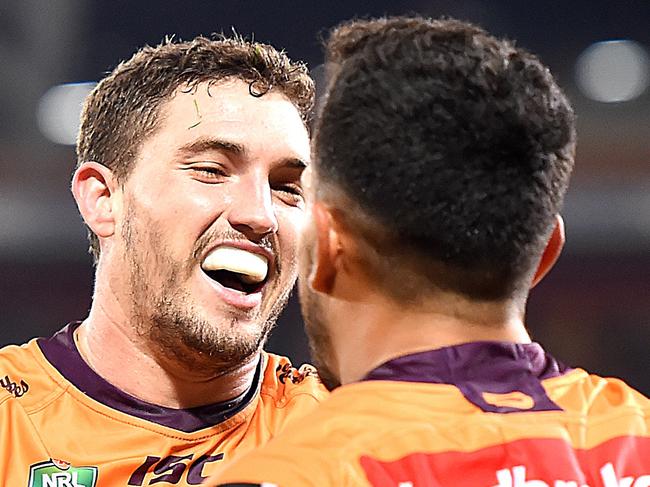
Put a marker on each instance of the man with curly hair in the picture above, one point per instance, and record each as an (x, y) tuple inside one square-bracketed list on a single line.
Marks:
[(441, 159)]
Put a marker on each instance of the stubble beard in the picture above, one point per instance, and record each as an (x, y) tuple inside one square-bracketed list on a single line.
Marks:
[(321, 349), (169, 323)]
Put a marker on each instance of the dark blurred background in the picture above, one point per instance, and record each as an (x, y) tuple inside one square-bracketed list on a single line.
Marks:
[(593, 310)]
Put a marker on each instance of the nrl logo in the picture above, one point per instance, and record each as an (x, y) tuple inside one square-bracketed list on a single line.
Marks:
[(58, 473)]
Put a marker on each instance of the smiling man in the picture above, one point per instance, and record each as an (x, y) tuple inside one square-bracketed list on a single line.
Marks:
[(188, 179)]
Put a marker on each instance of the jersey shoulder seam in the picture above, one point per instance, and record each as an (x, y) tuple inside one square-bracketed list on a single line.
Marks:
[(284, 400)]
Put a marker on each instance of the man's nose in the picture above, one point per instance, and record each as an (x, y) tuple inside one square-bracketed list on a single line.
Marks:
[(253, 212)]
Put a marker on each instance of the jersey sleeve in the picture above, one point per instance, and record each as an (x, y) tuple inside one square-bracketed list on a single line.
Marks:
[(273, 466)]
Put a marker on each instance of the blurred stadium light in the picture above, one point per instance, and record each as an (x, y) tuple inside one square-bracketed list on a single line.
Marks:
[(59, 109), (613, 71)]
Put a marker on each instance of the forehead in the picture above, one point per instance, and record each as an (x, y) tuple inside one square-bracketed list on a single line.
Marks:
[(269, 124)]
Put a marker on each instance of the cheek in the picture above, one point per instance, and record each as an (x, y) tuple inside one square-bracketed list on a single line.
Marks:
[(200, 201), (291, 227), (306, 244), (289, 237), (189, 214)]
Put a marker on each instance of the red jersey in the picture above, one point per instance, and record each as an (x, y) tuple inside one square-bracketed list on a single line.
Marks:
[(482, 414), (62, 425)]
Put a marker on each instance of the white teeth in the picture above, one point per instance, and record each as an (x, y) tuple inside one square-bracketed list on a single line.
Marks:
[(252, 267)]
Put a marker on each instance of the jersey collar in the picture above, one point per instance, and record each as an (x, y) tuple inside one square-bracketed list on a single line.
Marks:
[(495, 376), (61, 351)]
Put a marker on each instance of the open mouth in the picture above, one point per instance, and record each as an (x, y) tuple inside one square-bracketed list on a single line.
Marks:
[(235, 280), (237, 269)]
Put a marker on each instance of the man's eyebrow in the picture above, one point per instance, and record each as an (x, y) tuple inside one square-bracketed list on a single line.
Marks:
[(207, 144)]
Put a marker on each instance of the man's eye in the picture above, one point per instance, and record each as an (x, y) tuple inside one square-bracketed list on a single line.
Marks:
[(291, 194), (209, 172), (291, 189)]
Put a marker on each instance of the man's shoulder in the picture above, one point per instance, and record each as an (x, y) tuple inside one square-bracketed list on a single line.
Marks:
[(300, 455), (379, 433), (17, 353), (286, 393), (591, 394), (17, 366), (23, 375), (283, 382), (313, 451)]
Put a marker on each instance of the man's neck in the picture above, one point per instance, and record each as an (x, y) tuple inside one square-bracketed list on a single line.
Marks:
[(115, 352), (383, 330)]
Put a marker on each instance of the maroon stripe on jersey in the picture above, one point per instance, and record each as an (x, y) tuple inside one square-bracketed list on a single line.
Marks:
[(478, 368), (61, 351)]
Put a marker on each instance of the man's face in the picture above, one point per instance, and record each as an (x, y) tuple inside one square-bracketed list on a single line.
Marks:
[(312, 303), (212, 211)]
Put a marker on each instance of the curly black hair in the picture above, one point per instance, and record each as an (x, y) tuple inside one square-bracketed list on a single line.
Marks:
[(457, 146)]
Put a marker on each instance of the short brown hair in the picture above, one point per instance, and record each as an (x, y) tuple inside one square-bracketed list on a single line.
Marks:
[(122, 110)]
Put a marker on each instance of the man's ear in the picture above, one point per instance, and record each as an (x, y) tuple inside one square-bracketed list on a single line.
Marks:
[(327, 249), (93, 188), (551, 252)]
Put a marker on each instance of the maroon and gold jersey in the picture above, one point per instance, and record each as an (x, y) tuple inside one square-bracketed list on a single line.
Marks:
[(62, 425), (483, 414)]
